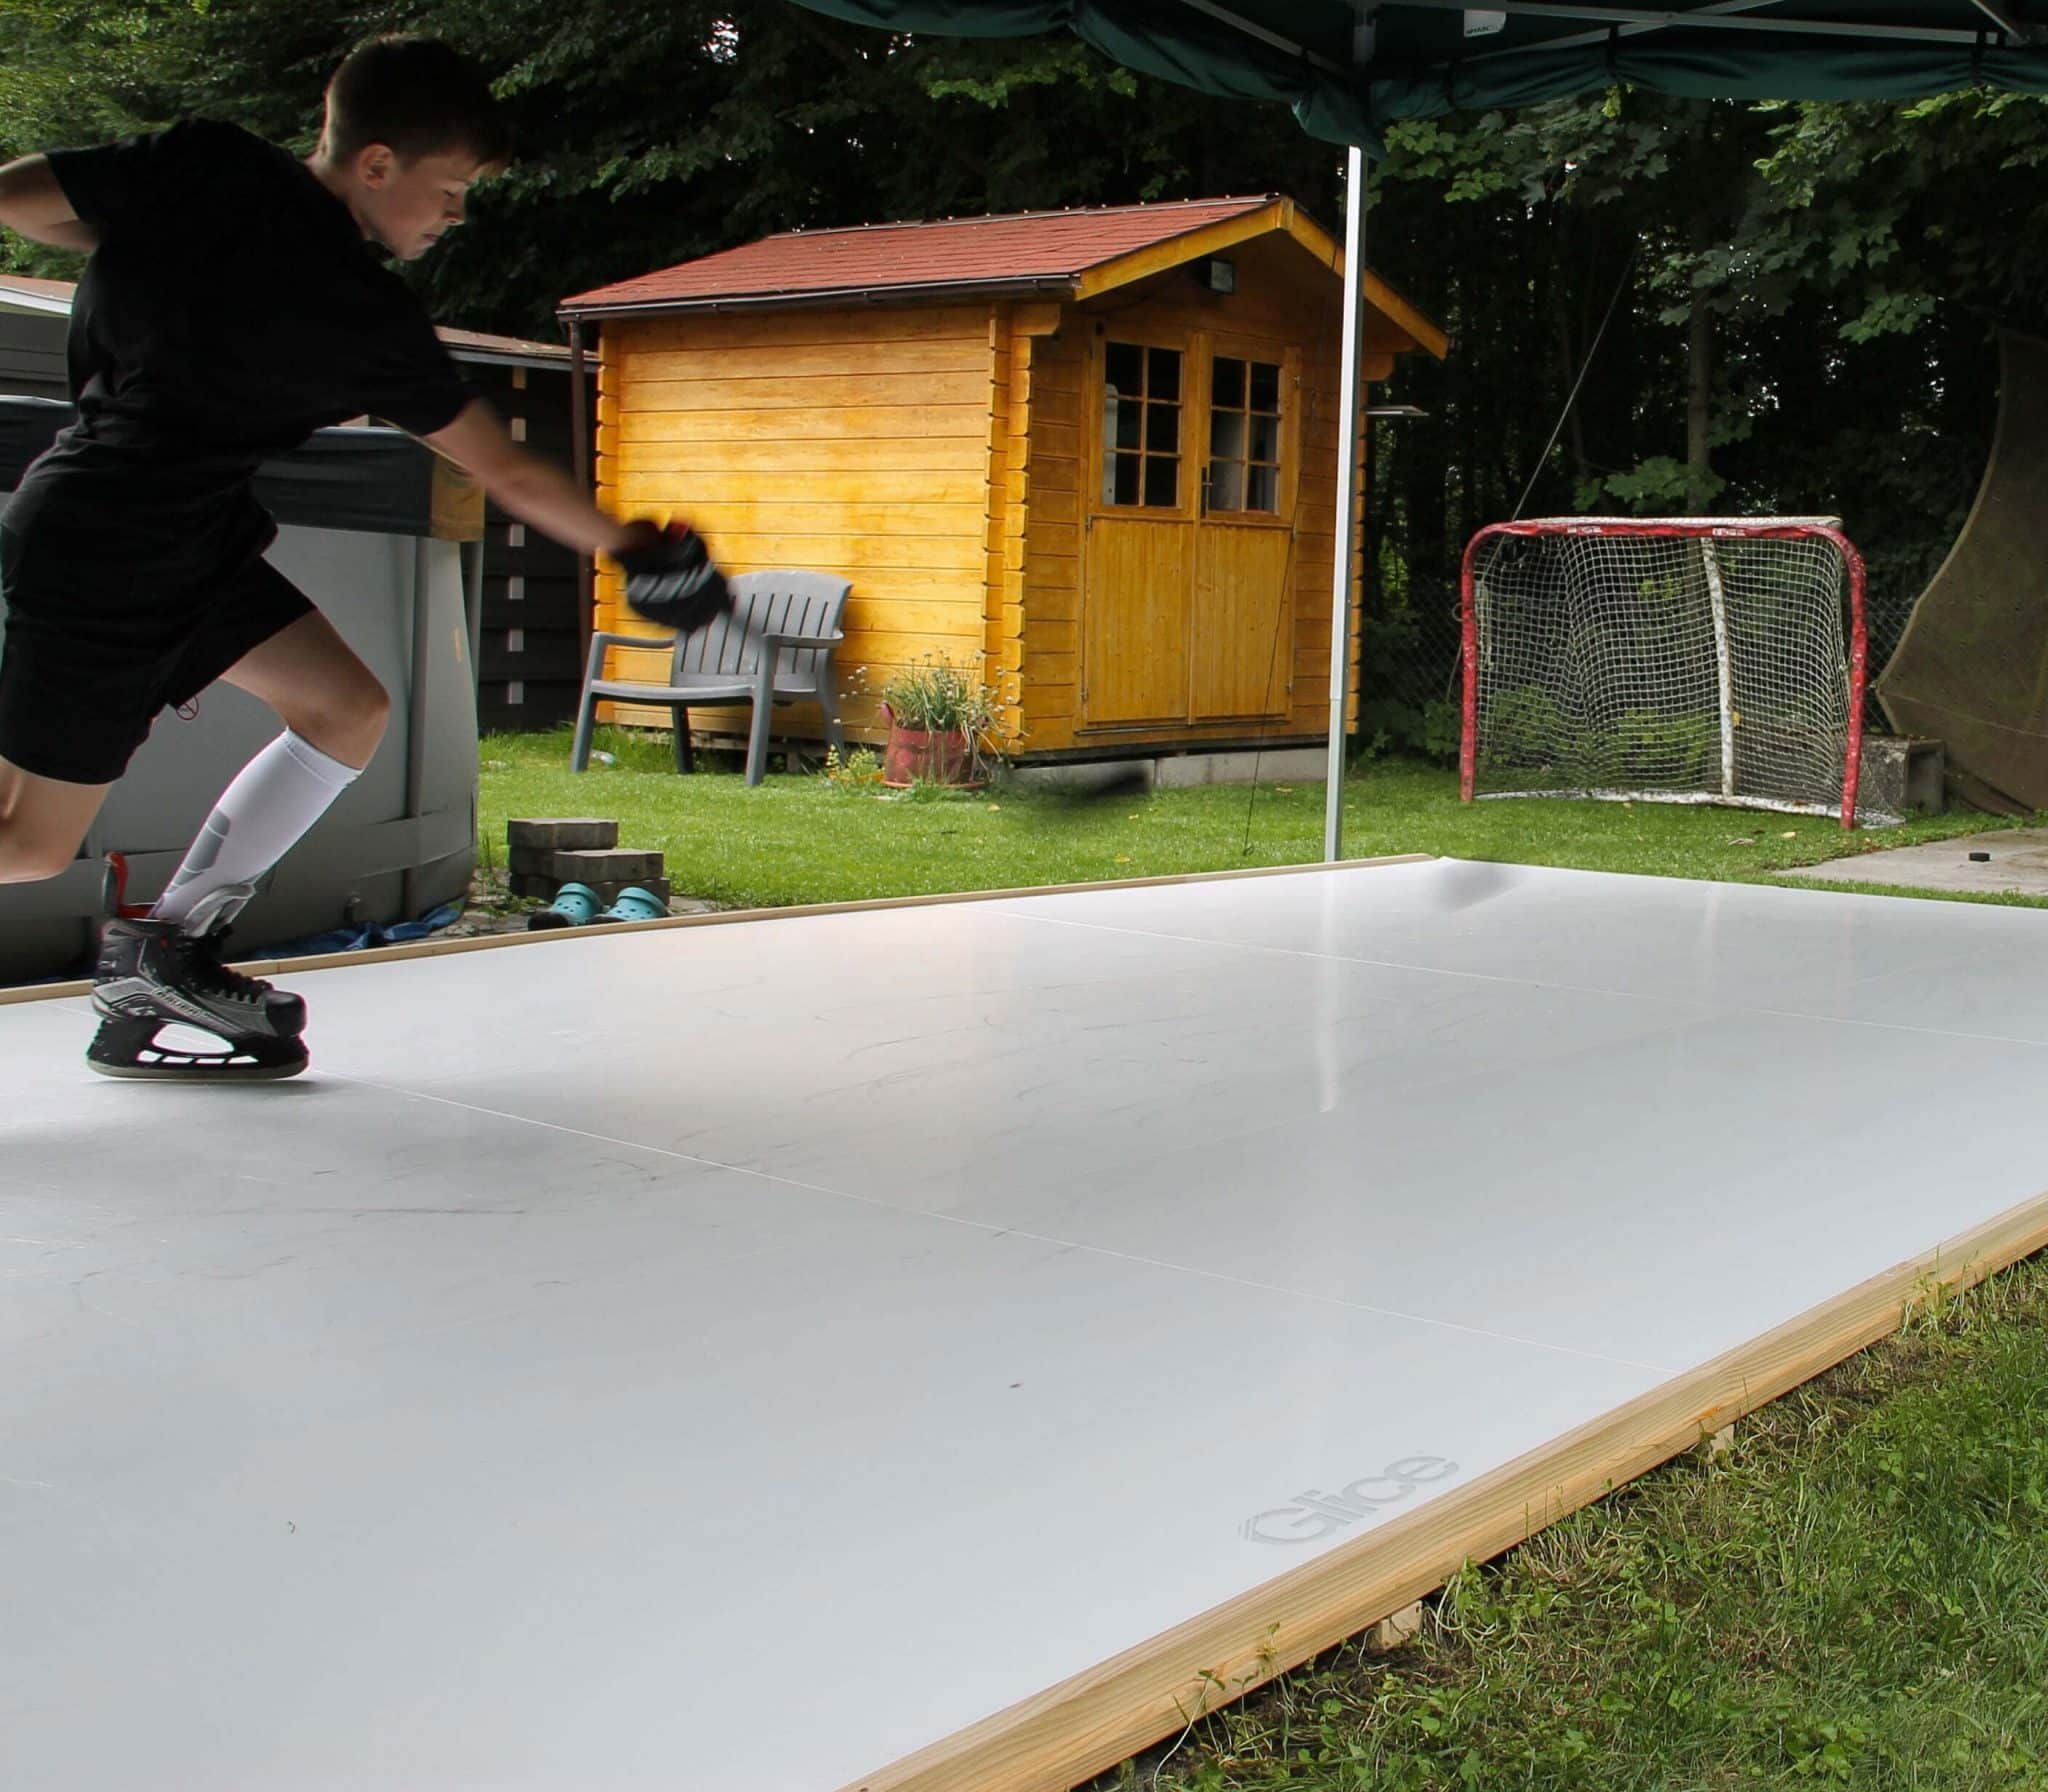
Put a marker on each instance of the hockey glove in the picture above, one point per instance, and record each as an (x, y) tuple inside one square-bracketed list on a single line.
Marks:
[(670, 579)]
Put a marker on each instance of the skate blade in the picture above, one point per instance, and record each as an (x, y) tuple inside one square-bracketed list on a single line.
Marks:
[(193, 1070), (129, 1050)]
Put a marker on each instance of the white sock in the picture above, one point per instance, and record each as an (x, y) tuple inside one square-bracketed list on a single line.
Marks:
[(276, 797)]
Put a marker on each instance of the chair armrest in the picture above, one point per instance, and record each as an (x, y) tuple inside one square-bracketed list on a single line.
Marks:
[(831, 640), (602, 638)]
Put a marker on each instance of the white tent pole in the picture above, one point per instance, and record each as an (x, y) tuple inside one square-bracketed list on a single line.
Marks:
[(1349, 421)]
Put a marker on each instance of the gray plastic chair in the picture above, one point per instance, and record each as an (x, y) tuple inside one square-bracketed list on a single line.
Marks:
[(775, 647)]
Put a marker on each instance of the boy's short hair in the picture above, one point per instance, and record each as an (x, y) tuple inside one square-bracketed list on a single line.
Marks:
[(417, 96)]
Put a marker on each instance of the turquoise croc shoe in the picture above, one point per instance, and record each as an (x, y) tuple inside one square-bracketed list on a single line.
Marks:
[(636, 904), (575, 905)]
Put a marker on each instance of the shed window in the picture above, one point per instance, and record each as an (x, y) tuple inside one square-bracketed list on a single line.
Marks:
[(1244, 436), (1141, 426)]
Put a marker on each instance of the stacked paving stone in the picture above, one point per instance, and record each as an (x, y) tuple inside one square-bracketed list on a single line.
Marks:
[(548, 854)]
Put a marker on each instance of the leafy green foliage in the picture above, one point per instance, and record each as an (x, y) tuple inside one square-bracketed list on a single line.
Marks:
[(1525, 728), (1851, 264)]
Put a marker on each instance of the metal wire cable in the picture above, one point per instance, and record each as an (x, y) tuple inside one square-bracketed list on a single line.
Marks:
[(1586, 367)]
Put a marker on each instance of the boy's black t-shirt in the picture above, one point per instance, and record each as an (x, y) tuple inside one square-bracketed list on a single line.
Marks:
[(232, 307)]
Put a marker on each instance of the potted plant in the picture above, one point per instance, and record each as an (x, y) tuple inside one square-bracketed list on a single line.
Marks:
[(940, 718)]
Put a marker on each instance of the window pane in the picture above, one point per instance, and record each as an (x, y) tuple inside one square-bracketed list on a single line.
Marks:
[(1265, 386), (1226, 486), (1124, 426), (1125, 367), (1229, 392), (1226, 435), (1164, 366), (1163, 426), (1126, 487), (1162, 481), (1262, 490), (1265, 439)]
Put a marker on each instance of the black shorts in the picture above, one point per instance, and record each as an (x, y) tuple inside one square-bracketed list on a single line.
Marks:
[(98, 645)]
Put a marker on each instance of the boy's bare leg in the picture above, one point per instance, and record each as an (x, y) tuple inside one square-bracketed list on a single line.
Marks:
[(42, 822), (321, 691)]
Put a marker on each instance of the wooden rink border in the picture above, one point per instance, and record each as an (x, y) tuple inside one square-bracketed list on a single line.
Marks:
[(1090, 1723), (432, 948)]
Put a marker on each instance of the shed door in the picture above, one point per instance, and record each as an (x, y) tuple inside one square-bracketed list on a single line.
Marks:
[(1242, 621), (1136, 559)]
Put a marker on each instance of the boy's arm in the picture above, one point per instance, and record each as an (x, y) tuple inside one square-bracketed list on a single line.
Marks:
[(530, 488), (32, 203)]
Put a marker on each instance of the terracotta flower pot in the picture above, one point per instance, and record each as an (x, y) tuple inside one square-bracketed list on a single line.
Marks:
[(940, 757)]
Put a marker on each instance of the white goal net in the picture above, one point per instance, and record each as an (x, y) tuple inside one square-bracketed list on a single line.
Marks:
[(1694, 659)]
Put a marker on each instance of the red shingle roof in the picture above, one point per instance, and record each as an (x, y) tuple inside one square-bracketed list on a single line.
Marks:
[(1022, 248)]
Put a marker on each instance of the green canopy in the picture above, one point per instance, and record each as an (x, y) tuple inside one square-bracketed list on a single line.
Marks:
[(1346, 79)]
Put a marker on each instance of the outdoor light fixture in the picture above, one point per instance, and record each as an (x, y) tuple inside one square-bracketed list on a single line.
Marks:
[(1219, 275)]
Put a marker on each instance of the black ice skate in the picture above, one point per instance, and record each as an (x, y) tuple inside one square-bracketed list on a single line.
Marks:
[(155, 974)]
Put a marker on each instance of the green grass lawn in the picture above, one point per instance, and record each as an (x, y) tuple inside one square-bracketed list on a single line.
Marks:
[(1855, 1595), (801, 839)]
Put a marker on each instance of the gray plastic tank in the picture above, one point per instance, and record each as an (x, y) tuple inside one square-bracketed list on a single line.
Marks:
[(371, 529)]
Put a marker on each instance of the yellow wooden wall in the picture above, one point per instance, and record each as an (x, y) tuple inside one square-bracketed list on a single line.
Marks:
[(940, 458), (858, 442), (1283, 294), (1015, 495)]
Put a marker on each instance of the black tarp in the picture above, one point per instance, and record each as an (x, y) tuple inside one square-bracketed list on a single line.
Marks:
[(1972, 667)]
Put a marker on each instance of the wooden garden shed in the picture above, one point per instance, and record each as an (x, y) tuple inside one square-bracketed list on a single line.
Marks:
[(1091, 453)]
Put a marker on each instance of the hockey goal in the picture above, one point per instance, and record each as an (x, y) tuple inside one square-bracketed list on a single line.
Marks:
[(1682, 660)]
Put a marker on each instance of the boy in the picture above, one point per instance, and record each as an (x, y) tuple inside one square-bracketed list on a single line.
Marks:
[(233, 305)]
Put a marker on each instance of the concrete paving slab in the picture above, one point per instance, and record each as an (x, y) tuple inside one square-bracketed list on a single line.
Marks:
[(2013, 862)]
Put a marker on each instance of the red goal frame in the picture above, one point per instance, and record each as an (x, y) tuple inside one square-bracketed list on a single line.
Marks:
[(1686, 529)]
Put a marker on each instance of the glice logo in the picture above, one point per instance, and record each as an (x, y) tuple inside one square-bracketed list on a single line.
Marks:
[(1316, 1514)]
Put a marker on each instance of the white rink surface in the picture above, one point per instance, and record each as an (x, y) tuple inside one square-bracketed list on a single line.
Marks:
[(737, 1357)]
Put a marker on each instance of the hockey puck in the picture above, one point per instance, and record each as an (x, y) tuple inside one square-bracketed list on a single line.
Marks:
[(1980, 858)]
